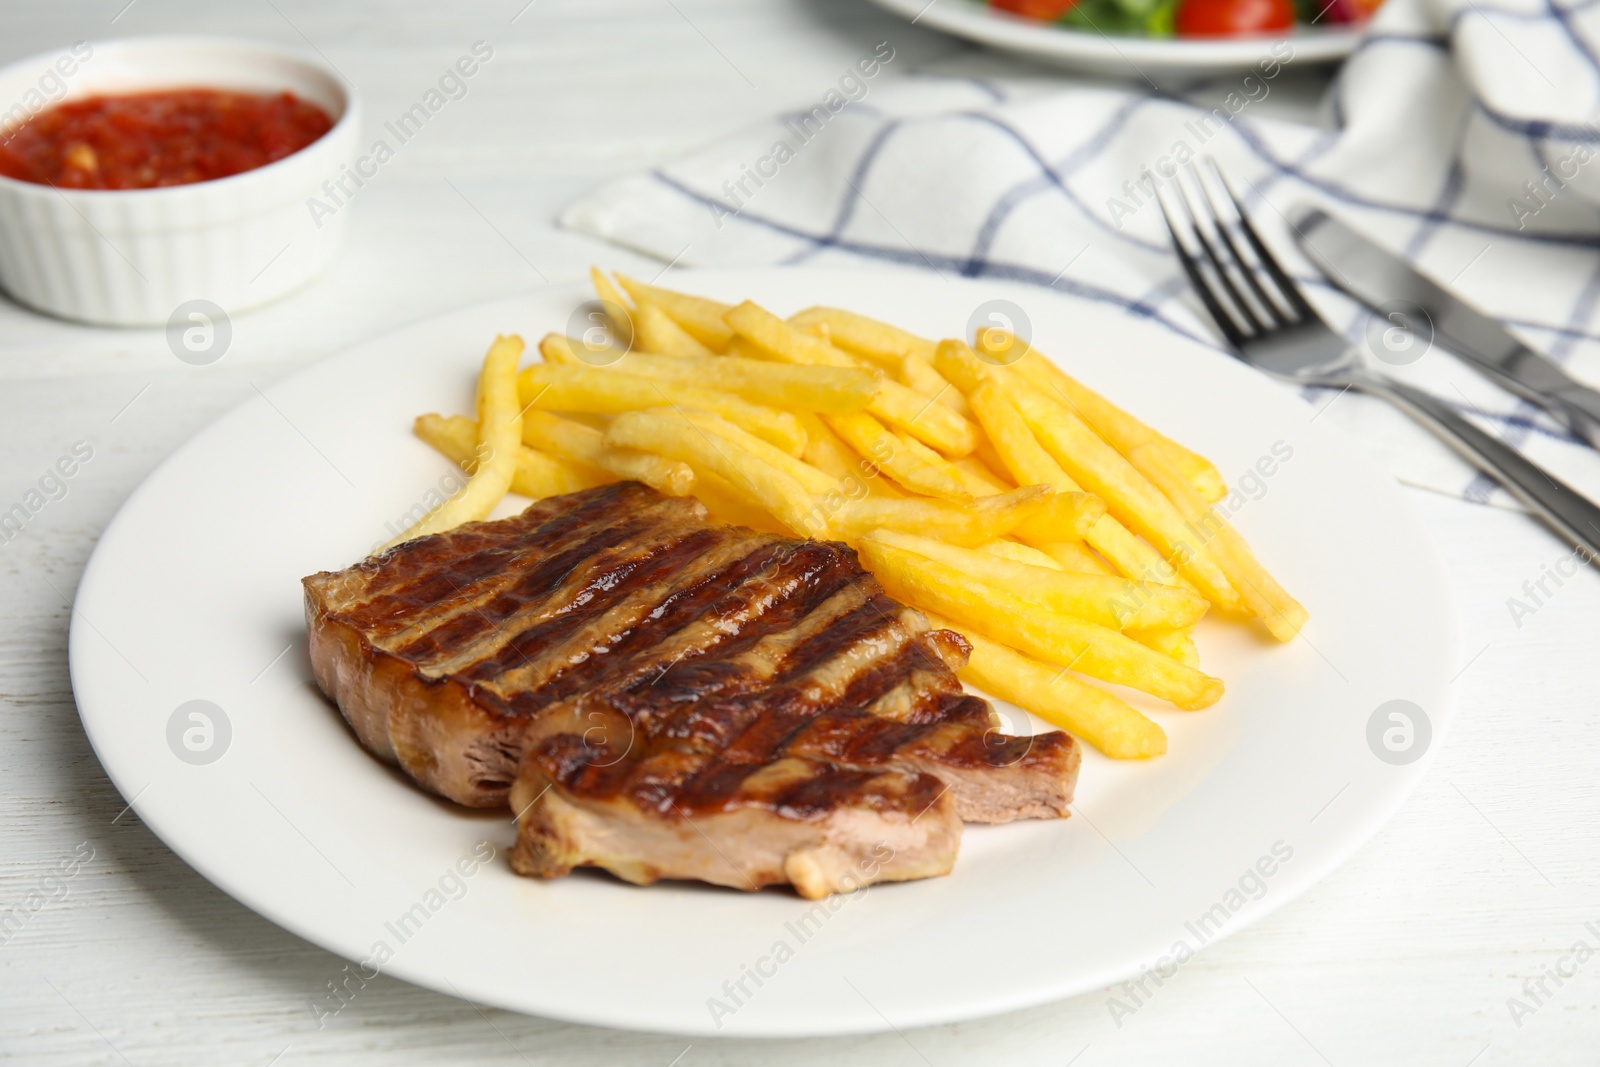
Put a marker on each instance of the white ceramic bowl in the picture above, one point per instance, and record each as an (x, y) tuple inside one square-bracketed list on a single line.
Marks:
[(134, 257)]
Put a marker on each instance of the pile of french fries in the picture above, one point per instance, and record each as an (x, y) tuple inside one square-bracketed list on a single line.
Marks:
[(1062, 537)]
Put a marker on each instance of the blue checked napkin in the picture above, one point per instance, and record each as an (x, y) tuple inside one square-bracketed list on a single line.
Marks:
[(1460, 134)]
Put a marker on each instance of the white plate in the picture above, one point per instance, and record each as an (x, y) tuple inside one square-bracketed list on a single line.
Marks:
[(1135, 56), (194, 594)]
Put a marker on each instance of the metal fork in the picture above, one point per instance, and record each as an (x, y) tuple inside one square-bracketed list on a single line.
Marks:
[(1262, 313)]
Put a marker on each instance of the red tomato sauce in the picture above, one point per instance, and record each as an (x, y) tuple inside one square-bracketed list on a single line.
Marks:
[(146, 140)]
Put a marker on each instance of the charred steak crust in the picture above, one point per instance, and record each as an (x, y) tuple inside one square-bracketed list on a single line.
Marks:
[(659, 688)]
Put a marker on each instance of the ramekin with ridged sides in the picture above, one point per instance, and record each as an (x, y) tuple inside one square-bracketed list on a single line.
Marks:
[(133, 257)]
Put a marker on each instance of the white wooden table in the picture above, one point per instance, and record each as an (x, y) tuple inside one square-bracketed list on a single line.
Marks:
[(1407, 955)]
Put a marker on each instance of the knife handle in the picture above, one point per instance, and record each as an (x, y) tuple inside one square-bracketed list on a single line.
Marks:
[(1563, 508)]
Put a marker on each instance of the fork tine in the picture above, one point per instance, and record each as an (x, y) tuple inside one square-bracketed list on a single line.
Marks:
[(1272, 310), (1286, 284), (1219, 315), (1252, 323)]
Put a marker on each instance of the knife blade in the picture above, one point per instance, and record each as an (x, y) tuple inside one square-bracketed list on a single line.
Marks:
[(1380, 280)]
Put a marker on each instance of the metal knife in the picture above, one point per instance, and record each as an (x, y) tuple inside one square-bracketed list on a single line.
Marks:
[(1380, 279)]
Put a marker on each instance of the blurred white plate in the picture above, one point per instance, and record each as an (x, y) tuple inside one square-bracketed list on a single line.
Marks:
[(1106, 53), (194, 594)]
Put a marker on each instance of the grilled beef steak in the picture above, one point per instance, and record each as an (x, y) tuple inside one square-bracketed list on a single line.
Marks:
[(673, 698)]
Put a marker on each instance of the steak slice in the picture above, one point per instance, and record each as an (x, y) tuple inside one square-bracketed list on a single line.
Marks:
[(824, 828), (623, 624), (422, 646)]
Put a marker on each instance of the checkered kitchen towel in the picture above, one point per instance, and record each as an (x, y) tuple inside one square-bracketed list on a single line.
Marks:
[(1461, 134)]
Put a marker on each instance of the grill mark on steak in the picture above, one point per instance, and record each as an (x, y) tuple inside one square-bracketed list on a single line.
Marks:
[(404, 565), (488, 608), (910, 673), (687, 785), (594, 593), (575, 643), (472, 635), (701, 699), (522, 561), (635, 650), (418, 578), (813, 678), (875, 622), (850, 735), (644, 667), (709, 623), (808, 599)]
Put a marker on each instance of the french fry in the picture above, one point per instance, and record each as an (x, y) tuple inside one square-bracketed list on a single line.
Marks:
[(933, 424), (825, 451), (1027, 461), (1077, 556), (972, 486), (1032, 500), (819, 330), (880, 486), (537, 474), (1081, 455), (867, 337), (599, 391), (1132, 556), (912, 369), (557, 349), (1019, 449), (925, 418), (1120, 430), (622, 321), (670, 433), (1006, 548), (1282, 614), (972, 481), (1177, 643), (919, 376), (1083, 710), (586, 445), (955, 359), (975, 472), (729, 505), (888, 454), (1069, 514), (499, 438), (989, 458), (809, 477), (973, 524), (743, 348), (1115, 603), (701, 317), (1067, 517), (1193, 468), (655, 331), (777, 385), (1048, 635), (781, 342), (1129, 496)]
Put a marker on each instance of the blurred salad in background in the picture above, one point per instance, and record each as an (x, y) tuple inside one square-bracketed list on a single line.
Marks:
[(1190, 18)]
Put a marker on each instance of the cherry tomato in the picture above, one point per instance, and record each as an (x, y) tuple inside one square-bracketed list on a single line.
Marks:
[(1349, 11), (1231, 18), (1044, 10)]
